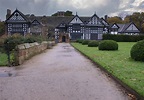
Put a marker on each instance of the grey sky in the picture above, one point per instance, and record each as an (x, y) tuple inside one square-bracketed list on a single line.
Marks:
[(82, 7)]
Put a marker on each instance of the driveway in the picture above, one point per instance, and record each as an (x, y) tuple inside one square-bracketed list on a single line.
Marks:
[(60, 73)]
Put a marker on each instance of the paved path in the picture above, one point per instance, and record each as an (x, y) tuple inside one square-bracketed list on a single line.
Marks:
[(60, 73)]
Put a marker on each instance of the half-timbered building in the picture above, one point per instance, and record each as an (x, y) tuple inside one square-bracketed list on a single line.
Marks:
[(36, 27), (128, 29), (17, 23), (90, 28), (65, 27)]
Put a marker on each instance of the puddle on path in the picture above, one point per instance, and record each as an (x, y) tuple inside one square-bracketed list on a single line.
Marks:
[(5, 74)]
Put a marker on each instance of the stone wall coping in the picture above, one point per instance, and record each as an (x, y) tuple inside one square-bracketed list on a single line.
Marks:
[(21, 46), (36, 43), (44, 42), (27, 45)]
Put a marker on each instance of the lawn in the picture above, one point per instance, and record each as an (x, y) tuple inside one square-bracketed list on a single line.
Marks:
[(3, 59), (118, 63)]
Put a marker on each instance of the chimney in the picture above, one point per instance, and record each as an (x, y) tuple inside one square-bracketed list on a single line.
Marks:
[(60, 13), (106, 17), (8, 13)]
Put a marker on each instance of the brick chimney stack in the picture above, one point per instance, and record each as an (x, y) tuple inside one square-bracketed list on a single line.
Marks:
[(8, 13), (60, 13), (106, 17)]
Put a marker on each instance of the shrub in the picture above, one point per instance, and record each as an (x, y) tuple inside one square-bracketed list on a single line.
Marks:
[(11, 42), (30, 40), (93, 43), (108, 45), (80, 40), (2, 39), (85, 42), (137, 51)]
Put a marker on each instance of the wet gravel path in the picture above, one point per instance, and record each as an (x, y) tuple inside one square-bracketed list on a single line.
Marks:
[(60, 73)]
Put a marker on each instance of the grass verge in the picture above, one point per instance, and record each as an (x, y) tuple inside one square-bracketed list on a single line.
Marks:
[(118, 63)]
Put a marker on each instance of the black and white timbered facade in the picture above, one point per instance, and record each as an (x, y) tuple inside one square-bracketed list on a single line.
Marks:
[(128, 29), (36, 27), (65, 27), (17, 23), (90, 28)]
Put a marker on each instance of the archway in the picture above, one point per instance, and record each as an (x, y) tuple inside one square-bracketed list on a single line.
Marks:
[(64, 39)]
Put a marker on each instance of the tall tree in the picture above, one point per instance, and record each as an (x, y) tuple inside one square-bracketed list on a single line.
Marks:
[(67, 13), (138, 19), (2, 28), (114, 19)]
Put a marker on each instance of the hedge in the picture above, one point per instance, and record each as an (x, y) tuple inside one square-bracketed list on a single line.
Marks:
[(123, 38)]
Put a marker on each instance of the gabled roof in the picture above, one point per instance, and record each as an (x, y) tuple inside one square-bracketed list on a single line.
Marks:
[(97, 21), (114, 25), (21, 17), (52, 21), (123, 28), (76, 19), (104, 22), (35, 20), (62, 25)]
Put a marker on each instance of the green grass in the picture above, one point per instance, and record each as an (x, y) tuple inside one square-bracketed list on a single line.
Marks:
[(3, 59), (118, 63)]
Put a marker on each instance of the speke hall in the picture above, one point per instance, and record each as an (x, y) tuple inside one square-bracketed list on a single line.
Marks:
[(65, 28)]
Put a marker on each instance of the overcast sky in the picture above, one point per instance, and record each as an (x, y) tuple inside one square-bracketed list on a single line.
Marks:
[(82, 7)]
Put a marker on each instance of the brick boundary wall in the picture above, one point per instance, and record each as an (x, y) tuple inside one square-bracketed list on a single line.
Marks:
[(28, 50)]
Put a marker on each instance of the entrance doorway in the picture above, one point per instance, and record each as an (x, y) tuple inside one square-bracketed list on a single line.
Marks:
[(64, 39)]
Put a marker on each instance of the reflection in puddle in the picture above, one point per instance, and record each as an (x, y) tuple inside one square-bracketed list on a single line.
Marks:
[(7, 74)]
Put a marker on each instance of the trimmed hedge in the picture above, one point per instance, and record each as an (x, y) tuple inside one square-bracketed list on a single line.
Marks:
[(137, 51), (108, 45), (85, 42), (123, 38), (93, 43)]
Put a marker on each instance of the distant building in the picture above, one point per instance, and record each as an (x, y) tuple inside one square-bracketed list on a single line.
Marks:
[(64, 28), (60, 13), (128, 29)]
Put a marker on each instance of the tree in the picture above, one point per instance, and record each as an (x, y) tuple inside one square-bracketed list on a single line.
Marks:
[(115, 19), (67, 13), (126, 19), (138, 19), (2, 28)]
